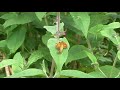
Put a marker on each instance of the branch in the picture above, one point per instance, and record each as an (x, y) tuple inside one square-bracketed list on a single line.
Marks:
[(6, 68), (52, 69)]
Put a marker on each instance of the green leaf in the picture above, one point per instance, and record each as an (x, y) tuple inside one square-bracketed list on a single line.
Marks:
[(3, 43), (61, 58), (82, 21), (98, 18), (34, 57), (46, 53), (118, 55), (76, 52), (20, 19), (113, 25), (44, 68), (110, 70), (40, 15), (9, 15), (96, 29), (28, 72), (3, 46), (2, 30), (110, 34), (10, 29), (52, 29), (15, 40), (108, 31), (91, 57), (104, 59), (75, 73), (7, 62), (20, 63), (95, 36), (97, 74), (46, 37)]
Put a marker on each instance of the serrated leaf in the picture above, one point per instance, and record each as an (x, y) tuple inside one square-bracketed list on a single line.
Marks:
[(20, 19), (40, 15), (59, 59), (15, 40), (75, 73), (28, 72), (34, 57), (52, 29), (20, 63), (76, 52), (82, 21), (7, 62)]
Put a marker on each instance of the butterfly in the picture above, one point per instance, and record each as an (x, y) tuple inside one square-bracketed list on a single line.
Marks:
[(60, 46)]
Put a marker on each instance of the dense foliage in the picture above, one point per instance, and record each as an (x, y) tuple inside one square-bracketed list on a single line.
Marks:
[(59, 44)]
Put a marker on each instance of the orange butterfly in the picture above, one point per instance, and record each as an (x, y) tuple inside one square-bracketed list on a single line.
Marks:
[(60, 46)]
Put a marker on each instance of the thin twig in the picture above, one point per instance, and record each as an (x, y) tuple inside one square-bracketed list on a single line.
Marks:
[(58, 21), (53, 63), (52, 69), (7, 71), (10, 70), (6, 68)]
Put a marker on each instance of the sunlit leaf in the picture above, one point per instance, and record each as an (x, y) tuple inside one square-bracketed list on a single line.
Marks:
[(34, 57), (53, 29), (75, 74), (20, 63), (91, 56), (108, 31), (110, 71), (40, 15), (97, 74), (28, 72), (60, 58), (7, 62), (82, 21), (20, 19), (118, 55)]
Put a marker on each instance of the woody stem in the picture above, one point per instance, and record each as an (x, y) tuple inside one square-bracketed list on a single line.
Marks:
[(52, 69), (58, 21), (6, 68)]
